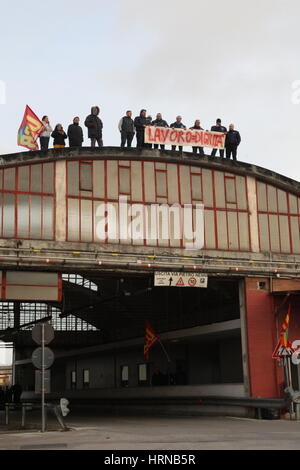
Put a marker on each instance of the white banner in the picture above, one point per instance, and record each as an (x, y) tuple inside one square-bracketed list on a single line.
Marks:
[(171, 279), (182, 137)]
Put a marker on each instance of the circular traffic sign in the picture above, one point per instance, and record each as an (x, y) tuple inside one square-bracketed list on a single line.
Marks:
[(37, 333), (37, 358), (192, 281)]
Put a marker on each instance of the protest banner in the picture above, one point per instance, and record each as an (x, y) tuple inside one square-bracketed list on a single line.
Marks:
[(30, 130), (182, 137)]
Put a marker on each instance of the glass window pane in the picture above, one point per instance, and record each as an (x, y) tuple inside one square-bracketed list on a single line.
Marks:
[(36, 178), (86, 177), (9, 215), (35, 216), (86, 376), (230, 190), (125, 180), (9, 178), (161, 183), (23, 216), (142, 372), (23, 178), (124, 373), (73, 220), (48, 178), (196, 187), (73, 178), (47, 217)]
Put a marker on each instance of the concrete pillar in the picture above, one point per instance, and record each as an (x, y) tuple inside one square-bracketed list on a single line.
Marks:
[(244, 342), (261, 339), (253, 218), (61, 203)]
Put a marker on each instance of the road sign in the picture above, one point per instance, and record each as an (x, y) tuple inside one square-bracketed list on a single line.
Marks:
[(283, 351), (37, 358), (38, 381), (177, 279), (37, 333)]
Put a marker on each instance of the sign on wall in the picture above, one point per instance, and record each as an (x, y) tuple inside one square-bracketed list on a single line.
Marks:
[(172, 279), (189, 137), (30, 286)]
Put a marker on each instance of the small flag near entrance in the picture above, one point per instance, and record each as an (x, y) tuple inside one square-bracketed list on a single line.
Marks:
[(285, 328), (284, 347), (149, 340)]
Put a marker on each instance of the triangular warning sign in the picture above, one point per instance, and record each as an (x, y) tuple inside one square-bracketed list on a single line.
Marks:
[(180, 282), (282, 351)]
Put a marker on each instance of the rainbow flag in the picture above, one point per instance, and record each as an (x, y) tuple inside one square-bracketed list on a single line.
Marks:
[(30, 130)]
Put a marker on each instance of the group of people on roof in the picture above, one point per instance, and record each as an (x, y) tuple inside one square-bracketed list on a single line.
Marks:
[(128, 128)]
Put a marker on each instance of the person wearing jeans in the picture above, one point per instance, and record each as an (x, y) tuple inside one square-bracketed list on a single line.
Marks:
[(45, 135)]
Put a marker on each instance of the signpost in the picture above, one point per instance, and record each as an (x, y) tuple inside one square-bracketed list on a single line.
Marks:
[(178, 279), (42, 357)]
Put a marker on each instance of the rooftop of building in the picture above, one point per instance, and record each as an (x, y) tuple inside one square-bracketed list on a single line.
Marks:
[(186, 158)]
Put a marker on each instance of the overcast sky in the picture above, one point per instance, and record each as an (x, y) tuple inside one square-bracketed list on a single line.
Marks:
[(232, 59)]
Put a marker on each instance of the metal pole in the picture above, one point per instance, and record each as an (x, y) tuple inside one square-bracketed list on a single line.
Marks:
[(43, 377)]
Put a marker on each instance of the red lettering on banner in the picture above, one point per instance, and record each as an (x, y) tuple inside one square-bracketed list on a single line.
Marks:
[(220, 140), (199, 137), (173, 136), (180, 137), (193, 137), (164, 134), (157, 134), (150, 136), (206, 139)]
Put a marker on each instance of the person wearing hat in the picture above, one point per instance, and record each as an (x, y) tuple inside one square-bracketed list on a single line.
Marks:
[(233, 140), (218, 128)]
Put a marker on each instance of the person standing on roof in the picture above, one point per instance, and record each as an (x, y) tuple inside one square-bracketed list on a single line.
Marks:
[(218, 128), (233, 140), (140, 122), (45, 135), (178, 125), (126, 127), (95, 126), (75, 133), (159, 122), (199, 128)]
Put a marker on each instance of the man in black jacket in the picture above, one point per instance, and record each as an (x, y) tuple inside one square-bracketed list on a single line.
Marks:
[(233, 140), (95, 126), (218, 128), (178, 125), (126, 127), (159, 122), (140, 123), (75, 133), (199, 128)]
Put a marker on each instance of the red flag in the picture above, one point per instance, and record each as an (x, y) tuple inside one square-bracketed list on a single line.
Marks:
[(30, 130), (149, 340)]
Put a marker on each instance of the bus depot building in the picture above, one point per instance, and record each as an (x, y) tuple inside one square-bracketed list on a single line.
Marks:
[(101, 242)]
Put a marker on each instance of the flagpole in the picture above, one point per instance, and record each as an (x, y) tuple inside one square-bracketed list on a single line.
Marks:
[(164, 350)]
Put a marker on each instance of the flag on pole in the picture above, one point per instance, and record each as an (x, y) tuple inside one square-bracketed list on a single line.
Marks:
[(285, 329), (30, 130), (284, 347), (149, 340)]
